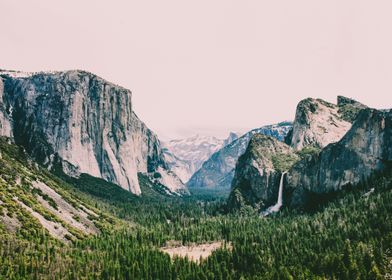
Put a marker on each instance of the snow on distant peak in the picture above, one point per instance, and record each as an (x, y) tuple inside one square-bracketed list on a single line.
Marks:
[(218, 170), (21, 74), (16, 74), (185, 156)]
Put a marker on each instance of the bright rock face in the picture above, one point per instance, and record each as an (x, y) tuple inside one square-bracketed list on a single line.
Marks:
[(218, 170), (259, 171), (82, 122), (366, 148), (317, 123), (5, 125), (181, 167)]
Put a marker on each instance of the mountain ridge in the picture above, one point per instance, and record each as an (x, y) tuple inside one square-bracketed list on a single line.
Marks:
[(317, 126), (218, 170)]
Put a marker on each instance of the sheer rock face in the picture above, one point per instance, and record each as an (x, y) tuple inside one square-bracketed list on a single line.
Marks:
[(218, 170), (317, 123), (82, 121), (366, 148), (5, 125), (257, 176)]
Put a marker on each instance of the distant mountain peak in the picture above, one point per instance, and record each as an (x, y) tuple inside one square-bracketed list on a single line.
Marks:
[(232, 137), (186, 156)]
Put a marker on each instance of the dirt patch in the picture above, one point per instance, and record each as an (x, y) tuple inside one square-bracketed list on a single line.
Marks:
[(11, 224), (194, 252)]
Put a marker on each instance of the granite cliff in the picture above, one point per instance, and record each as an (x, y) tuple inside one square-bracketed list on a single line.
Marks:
[(317, 123), (330, 146), (366, 148), (81, 123)]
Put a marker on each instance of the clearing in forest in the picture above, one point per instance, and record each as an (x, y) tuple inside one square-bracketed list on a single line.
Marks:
[(194, 251)]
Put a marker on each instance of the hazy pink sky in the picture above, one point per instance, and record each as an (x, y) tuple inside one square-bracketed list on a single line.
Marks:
[(210, 66)]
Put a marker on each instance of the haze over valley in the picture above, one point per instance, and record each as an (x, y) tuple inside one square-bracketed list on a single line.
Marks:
[(206, 140)]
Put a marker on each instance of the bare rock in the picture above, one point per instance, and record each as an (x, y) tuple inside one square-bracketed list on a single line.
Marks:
[(80, 122)]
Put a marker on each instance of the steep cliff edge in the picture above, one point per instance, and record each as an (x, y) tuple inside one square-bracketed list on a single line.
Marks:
[(365, 149), (258, 172), (83, 123)]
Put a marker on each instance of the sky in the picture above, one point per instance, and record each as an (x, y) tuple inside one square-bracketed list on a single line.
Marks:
[(210, 66)]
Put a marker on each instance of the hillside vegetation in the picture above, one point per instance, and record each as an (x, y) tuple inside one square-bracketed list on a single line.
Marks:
[(350, 237)]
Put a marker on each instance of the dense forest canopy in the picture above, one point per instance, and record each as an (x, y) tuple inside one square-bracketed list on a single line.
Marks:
[(349, 237)]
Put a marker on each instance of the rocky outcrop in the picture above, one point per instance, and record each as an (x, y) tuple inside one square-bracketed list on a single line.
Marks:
[(218, 170), (258, 172), (318, 123), (366, 148), (82, 123)]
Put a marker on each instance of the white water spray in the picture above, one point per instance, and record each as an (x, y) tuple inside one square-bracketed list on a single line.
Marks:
[(279, 203)]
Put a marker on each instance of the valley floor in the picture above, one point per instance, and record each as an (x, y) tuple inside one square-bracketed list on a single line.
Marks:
[(348, 238)]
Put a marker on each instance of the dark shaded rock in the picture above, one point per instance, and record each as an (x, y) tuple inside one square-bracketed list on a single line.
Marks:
[(258, 172), (349, 108), (365, 149)]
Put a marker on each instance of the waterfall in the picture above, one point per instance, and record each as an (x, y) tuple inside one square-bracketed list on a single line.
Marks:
[(279, 203)]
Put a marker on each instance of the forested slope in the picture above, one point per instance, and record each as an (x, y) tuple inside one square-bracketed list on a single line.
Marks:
[(348, 238)]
